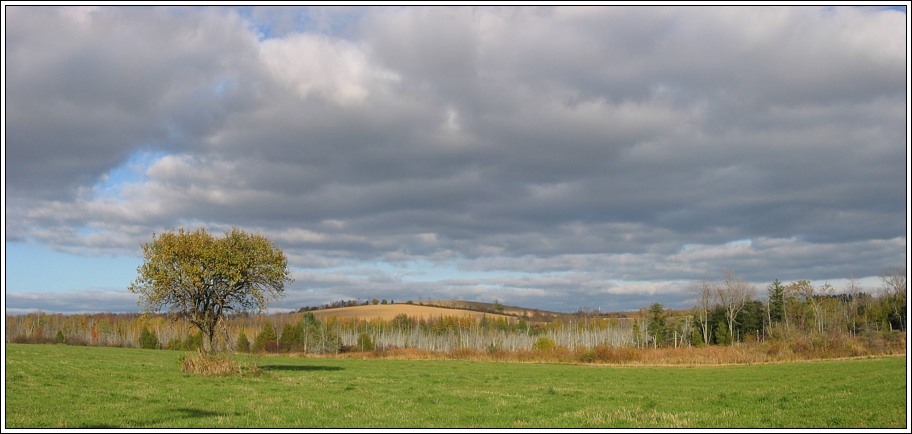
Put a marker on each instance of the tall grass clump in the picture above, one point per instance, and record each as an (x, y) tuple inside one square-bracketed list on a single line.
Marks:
[(215, 365)]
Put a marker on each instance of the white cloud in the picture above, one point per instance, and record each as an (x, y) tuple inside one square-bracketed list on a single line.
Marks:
[(320, 66)]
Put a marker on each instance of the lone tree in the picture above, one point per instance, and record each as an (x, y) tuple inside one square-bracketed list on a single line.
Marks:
[(202, 278)]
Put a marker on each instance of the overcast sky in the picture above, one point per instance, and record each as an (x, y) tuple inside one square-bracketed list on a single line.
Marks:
[(553, 158)]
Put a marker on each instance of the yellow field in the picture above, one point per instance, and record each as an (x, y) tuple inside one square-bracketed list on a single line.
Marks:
[(387, 312)]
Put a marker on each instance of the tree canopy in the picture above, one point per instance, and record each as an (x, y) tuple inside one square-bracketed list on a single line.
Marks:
[(202, 278)]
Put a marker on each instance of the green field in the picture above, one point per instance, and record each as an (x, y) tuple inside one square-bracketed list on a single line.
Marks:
[(56, 386)]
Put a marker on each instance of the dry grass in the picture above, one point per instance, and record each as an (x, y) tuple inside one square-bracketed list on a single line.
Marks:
[(798, 349), (215, 364)]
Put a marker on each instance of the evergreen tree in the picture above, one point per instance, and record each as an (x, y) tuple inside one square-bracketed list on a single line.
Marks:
[(148, 339), (243, 344), (292, 337), (266, 339), (776, 302), (722, 335), (657, 325)]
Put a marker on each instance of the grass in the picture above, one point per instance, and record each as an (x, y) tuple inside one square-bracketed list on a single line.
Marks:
[(59, 386)]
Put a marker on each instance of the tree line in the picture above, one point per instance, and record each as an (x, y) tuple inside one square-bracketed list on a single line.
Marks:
[(726, 313)]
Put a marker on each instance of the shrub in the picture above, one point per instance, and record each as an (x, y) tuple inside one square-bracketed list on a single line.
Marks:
[(544, 344), (175, 344), (76, 340), (194, 342), (608, 354), (243, 344), (59, 339), (365, 343), (148, 339), (587, 356), (38, 339)]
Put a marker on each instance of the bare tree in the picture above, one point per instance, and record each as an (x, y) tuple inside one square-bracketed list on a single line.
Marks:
[(819, 301), (707, 292), (854, 291), (733, 293), (893, 280)]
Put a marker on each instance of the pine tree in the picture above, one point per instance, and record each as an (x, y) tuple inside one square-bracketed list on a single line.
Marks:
[(776, 301), (292, 337), (723, 337), (148, 339), (266, 339), (243, 344)]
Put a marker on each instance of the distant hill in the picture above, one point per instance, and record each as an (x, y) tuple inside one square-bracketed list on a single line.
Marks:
[(389, 311), (536, 315), (457, 308)]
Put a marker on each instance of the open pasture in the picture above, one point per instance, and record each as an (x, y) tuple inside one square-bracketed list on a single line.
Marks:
[(57, 386)]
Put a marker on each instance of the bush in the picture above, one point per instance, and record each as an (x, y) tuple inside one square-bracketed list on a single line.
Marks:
[(243, 344), (365, 343), (175, 344), (76, 341), (148, 339), (59, 339), (587, 356), (39, 339), (544, 344), (194, 342), (608, 354)]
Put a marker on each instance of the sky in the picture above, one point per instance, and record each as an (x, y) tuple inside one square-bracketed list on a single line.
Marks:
[(546, 157)]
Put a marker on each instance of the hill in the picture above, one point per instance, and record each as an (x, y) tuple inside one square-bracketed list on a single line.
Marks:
[(387, 312), (457, 308), (535, 315)]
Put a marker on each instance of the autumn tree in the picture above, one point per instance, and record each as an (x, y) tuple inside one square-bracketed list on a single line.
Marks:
[(799, 297), (201, 278)]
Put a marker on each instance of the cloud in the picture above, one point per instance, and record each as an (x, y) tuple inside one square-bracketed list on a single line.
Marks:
[(71, 302), (87, 87), (611, 143)]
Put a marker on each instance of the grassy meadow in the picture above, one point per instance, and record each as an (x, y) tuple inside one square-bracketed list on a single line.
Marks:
[(60, 386)]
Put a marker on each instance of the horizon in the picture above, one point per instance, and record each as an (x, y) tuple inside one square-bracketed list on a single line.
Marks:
[(872, 287)]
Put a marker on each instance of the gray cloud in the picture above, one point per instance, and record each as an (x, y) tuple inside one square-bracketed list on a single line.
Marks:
[(619, 145)]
